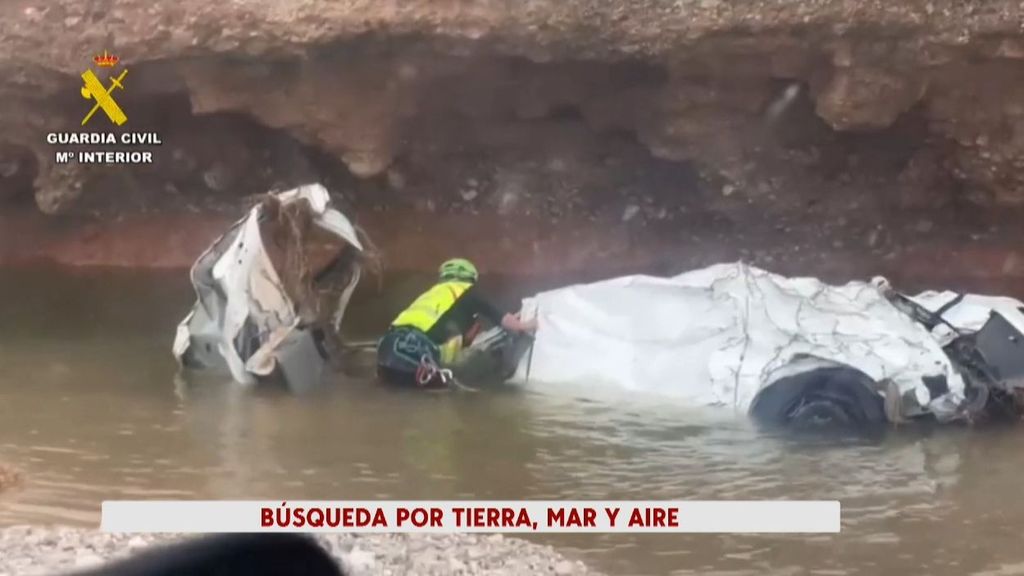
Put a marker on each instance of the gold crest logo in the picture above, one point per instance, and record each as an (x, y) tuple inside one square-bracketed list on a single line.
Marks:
[(94, 90)]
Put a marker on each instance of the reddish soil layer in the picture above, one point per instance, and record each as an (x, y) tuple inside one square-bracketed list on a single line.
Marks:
[(522, 247)]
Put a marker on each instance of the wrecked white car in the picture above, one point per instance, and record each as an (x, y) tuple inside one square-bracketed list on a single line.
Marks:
[(271, 292), (786, 351)]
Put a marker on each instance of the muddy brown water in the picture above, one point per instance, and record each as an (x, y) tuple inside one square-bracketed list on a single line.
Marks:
[(91, 409)]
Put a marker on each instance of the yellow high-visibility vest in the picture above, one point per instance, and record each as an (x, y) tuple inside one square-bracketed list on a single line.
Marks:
[(426, 310)]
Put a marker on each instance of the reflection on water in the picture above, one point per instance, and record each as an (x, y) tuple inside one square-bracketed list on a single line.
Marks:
[(90, 409)]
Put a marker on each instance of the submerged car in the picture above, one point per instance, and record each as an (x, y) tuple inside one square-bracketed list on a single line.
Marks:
[(272, 291), (793, 352)]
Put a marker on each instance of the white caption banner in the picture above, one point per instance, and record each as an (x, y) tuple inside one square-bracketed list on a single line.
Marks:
[(437, 517)]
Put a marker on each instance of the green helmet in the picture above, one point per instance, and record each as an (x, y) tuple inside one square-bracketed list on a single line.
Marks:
[(458, 269)]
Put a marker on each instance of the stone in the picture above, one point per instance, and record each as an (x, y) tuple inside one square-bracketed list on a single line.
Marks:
[(564, 568), (873, 236), (360, 562), (864, 98), (217, 177), (396, 180), (87, 560), (456, 566), (1013, 265), (630, 212), (476, 552)]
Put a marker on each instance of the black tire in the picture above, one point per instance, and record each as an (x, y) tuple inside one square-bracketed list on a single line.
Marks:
[(822, 399), (822, 411)]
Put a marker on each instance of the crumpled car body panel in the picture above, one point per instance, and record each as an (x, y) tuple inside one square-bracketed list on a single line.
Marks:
[(243, 318), (719, 335)]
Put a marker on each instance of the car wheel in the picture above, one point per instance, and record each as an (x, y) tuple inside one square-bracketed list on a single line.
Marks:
[(832, 398), (822, 411)]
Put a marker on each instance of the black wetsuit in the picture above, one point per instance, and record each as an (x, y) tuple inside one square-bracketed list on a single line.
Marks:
[(461, 316)]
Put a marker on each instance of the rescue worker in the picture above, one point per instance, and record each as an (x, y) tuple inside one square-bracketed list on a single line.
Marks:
[(429, 334)]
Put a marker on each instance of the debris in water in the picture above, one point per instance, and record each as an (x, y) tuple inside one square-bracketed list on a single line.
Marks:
[(630, 212), (271, 292)]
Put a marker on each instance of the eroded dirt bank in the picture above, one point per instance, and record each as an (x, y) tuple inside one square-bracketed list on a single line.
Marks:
[(836, 138)]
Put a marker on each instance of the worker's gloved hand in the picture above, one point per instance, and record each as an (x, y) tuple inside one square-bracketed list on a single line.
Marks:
[(513, 323)]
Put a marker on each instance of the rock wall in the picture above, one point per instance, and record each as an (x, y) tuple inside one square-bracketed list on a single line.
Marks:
[(839, 124)]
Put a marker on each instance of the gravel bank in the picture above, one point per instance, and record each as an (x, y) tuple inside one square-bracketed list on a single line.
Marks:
[(28, 550)]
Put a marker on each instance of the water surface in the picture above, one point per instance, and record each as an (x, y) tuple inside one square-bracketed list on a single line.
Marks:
[(91, 408)]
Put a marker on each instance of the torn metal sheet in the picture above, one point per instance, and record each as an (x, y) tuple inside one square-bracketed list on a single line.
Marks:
[(720, 335), (273, 287)]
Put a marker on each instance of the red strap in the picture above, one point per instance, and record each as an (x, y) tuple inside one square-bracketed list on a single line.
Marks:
[(472, 333)]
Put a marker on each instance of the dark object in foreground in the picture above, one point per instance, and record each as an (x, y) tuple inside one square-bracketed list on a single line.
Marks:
[(228, 555)]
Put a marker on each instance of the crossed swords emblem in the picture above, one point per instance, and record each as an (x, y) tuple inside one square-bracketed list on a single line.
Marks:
[(94, 90)]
